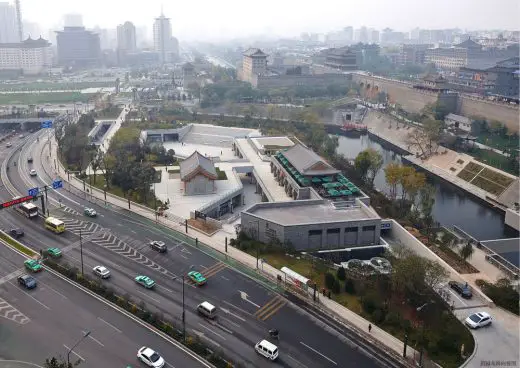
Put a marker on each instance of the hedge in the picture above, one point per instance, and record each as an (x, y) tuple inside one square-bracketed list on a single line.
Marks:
[(22, 248)]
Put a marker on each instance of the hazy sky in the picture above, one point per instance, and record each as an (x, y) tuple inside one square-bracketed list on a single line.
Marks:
[(209, 19)]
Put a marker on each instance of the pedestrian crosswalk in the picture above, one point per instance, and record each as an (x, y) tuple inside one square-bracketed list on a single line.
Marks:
[(9, 312)]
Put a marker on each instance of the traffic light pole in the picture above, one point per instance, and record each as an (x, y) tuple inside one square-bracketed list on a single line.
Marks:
[(47, 201)]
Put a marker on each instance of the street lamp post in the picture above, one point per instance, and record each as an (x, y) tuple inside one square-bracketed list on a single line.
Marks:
[(421, 353), (183, 305), (85, 335), (81, 251)]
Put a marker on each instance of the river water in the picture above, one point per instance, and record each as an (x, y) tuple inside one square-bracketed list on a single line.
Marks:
[(453, 206)]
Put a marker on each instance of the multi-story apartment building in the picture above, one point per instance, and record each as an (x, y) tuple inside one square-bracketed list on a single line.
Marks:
[(78, 47), (164, 44), (30, 57), (412, 54)]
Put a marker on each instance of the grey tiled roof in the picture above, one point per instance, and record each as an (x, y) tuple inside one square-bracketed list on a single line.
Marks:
[(255, 52), (197, 163), (307, 162)]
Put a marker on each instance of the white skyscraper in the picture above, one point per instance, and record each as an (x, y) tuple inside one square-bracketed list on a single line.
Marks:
[(162, 38), (8, 23)]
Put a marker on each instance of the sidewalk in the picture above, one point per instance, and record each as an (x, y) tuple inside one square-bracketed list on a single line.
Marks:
[(217, 242)]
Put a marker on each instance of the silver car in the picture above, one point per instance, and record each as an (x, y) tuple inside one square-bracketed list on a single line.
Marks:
[(101, 271)]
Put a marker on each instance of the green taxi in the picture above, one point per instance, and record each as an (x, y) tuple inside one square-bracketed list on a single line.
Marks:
[(197, 278), (145, 281), (33, 265), (54, 252)]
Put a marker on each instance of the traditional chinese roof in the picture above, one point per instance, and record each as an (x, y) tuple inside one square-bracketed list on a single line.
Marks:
[(197, 164)]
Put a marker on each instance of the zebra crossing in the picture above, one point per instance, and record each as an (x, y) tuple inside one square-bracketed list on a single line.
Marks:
[(111, 242), (9, 312)]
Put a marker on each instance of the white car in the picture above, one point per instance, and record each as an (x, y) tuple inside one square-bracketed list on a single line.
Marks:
[(150, 357), (479, 319), (33, 172), (102, 272)]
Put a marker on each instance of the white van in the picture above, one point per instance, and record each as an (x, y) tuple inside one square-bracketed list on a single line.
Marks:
[(207, 309), (267, 349)]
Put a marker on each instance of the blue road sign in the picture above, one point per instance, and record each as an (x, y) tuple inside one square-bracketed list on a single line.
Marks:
[(57, 184), (46, 124), (34, 192)]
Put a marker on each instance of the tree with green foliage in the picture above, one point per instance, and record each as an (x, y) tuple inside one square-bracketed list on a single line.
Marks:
[(392, 176), (59, 362), (367, 162), (341, 274), (330, 280), (466, 251)]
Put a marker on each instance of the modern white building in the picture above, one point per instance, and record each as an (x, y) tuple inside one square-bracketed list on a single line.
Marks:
[(163, 42), (8, 23), (30, 57), (126, 37)]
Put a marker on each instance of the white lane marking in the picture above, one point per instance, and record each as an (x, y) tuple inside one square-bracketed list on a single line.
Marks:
[(225, 278), (210, 330), (32, 297), (183, 256), (229, 321), (245, 297), (73, 352), (224, 328), (227, 311), (238, 308), (94, 339), (456, 296), (162, 287), (133, 231), (148, 296), (300, 364), (317, 352), (56, 291), (109, 324), (203, 336), (169, 365)]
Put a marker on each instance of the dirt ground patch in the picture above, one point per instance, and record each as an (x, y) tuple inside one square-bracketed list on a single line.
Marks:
[(206, 227)]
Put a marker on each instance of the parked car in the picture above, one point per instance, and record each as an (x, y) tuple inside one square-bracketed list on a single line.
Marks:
[(145, 281), (27, 281), (90, 212), (463, 289), (33, 265), (16, 233), (150, 357), (101, 271), (30, 160), (479, 319), (33, 172), (9, 145), (158, 246)]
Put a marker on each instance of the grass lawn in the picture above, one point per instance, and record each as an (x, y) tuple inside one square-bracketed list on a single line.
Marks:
[(39, 98), (99, 183), (50, 86), (494, 159)]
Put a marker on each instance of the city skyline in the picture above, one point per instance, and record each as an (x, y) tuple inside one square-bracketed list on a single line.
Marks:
[(215, 22)]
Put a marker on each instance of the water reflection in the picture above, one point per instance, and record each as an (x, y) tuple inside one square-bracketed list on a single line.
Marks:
[(452, 205)]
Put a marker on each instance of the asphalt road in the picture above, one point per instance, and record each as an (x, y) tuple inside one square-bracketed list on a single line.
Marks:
[(48, 320), (118, 240)]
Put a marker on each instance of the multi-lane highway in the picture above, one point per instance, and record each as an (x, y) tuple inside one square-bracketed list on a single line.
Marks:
[(118, 240), (48, 320)]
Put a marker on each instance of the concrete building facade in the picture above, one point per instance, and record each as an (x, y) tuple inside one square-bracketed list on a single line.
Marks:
[(126, 37), (254, 64), (164, 44), (30, 57), (314, 224), (78, 47)]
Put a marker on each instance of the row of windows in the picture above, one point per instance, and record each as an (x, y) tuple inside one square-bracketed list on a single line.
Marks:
[(347, 230)]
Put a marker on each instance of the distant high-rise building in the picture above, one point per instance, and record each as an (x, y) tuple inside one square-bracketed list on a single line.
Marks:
[(8, 24), (162, 39), (361, 35), (389, 36), (78, 47), (32, 29), (72, 20), (373, 35), (126, 37), (349, 34)]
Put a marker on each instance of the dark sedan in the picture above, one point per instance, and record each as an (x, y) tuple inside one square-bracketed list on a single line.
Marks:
[(16, 233), (463, 289)]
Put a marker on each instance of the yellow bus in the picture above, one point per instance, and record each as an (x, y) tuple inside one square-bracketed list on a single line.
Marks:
[(54, 225)]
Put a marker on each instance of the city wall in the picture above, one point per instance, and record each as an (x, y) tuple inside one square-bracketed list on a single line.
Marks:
[(413, 100)]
